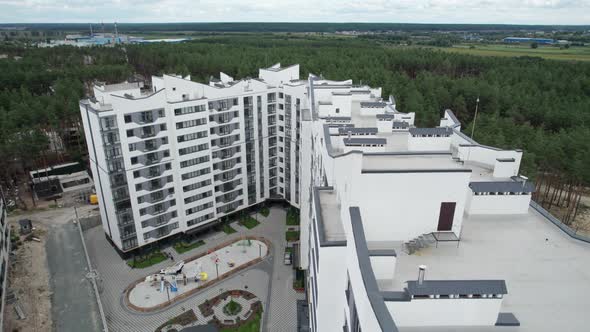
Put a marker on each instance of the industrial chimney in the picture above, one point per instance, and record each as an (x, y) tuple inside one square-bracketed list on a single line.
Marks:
[(421, 273)]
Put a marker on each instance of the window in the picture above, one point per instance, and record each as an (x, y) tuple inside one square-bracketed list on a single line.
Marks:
[(138, 187), (337, 110), (136, 174), (189, 109), (168, 166), (280, 95), (281, 118), (163, 127), (127, 118), (130, 133), (133, 160), (166, 154), (193, 149), (281, 129), (191, 123), (161, 113), (193, 174)]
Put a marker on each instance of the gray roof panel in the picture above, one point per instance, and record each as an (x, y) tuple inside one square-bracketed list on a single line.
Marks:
[(362, 141), (462, 287), (373, 104), (502, 187), (431, 131), (366, 130)]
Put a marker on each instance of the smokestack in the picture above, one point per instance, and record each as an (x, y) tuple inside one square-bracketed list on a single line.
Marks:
[(421, 274)]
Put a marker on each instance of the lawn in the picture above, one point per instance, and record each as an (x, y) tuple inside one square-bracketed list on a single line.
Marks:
[(546, 52), (148, 260), (227, 229), (251, 326), (292, 236), (292, 217), (264, 211), (182, 247), (249, 222)]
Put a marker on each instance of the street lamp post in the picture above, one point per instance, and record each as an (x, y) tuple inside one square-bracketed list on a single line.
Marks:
[(474, 117), (259, 250)]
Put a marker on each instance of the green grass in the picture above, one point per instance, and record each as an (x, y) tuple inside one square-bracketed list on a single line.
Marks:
[(227, 229), (249, 222), (147, 260), (292, 236), (182, 247), (264, 211), (292, 217), (546, 52), (251, 326)]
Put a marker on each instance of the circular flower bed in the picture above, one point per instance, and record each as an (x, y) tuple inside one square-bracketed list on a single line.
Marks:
[(232, 308)]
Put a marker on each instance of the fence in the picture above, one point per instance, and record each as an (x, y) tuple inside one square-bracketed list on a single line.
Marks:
[(568, 230)]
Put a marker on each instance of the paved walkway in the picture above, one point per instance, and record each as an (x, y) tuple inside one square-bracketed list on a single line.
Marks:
[(74, 306), (270, 276)]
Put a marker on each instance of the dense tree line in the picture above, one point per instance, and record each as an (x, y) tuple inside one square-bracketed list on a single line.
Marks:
[(541, 106), (39, 94)]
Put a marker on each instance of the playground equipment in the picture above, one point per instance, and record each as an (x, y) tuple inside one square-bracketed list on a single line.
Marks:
[(174, 269)]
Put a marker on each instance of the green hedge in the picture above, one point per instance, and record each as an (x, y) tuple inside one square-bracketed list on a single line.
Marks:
[(292, 236), (227, 229), (182, 247), (249, 222), (148, 260)]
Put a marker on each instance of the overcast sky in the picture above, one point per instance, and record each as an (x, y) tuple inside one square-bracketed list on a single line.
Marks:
[(390, 11)]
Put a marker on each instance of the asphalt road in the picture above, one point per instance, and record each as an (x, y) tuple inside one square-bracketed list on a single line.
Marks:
[(73, 302)]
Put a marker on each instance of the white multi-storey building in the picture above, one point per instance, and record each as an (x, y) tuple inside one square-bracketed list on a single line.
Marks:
[(177, 157), (382, 202)]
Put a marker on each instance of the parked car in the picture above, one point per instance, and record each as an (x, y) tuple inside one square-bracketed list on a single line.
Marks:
[(287, 258)]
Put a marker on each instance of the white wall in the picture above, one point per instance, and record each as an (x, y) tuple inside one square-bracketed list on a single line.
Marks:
[(412, 202), (331, 286), (445, 312), (497, 204)]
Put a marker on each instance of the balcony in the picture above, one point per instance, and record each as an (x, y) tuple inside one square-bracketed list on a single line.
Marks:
[(147, 134), (128, 235)]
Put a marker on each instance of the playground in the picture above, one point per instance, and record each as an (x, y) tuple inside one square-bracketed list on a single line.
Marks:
[(185, 278)]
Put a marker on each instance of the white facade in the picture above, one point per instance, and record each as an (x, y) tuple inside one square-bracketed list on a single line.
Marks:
[(182, 154), (367, 182), (373, 184)]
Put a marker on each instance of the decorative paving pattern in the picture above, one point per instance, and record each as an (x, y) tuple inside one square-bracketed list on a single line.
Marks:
[(270, 280)]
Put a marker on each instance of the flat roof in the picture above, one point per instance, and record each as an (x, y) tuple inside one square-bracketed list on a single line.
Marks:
[(409, 161), (330, 222), (547, 272)]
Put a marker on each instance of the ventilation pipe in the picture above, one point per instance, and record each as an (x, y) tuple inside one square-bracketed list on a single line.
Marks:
[(524, 180), (421, 274)]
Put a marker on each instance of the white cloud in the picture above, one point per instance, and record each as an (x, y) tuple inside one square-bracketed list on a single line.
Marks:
[(421, 11)]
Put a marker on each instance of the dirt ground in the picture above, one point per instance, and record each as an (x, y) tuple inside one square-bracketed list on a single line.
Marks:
[(582, 222), (29, 279), (29, 275)]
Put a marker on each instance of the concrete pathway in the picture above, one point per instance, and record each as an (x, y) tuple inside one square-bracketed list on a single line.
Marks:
[(74, 306), (270, 277)]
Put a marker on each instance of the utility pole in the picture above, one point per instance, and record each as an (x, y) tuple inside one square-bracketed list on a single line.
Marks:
[(474, 117)]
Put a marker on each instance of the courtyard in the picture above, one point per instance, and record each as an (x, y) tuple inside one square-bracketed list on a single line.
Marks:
[(269, 280), (161, 289)]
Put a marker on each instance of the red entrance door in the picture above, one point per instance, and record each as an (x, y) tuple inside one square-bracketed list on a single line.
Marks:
[(445, 218)]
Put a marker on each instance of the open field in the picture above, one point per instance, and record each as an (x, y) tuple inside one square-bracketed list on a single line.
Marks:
[(546, 52)]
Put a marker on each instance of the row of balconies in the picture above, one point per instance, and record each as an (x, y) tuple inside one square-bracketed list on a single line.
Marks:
[(157, 209), (224, 117), (227, 164), (225, 141), (229, 207), (161, 232), (159, 220), (230, 197), (226, 153), (227, 176), (154, 184), (228, 186)]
